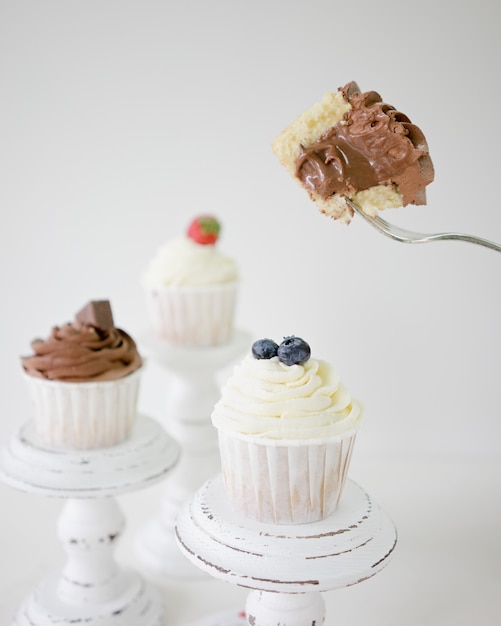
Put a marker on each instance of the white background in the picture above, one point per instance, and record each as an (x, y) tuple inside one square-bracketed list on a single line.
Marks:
[(120, 120)]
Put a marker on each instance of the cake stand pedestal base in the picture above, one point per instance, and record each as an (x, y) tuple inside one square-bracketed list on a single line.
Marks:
[(92, 588), (191, 394), (226, 618), (286, 567), (137, 603)]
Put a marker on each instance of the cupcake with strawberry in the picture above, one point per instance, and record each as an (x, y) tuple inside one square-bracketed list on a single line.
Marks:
[(191, 288)]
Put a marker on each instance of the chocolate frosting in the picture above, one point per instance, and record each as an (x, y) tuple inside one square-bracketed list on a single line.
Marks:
[(81, 352), (374, 145)]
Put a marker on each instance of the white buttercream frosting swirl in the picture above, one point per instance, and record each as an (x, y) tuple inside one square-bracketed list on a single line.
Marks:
[(183, 262), (266, 398)]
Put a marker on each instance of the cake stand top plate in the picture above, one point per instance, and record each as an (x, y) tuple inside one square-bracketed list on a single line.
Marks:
[(189, 358), (145, 457), (351, 545)]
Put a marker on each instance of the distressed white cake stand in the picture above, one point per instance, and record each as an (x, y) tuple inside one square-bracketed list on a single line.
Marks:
[(92, 588), (285, 566), (191, 392)]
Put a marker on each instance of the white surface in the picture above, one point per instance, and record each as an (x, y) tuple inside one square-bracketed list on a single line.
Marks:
[(121, 119)]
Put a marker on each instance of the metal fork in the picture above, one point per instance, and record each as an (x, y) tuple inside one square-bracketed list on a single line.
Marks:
[(408, 236)]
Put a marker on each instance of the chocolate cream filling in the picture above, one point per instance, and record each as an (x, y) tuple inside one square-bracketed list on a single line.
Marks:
[(373, 145)]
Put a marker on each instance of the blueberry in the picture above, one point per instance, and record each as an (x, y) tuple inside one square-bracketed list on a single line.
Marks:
[(293, 351), (264, 349)]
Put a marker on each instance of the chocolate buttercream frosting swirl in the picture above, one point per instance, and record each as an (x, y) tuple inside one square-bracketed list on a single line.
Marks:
[(82, 352), (373, 145)]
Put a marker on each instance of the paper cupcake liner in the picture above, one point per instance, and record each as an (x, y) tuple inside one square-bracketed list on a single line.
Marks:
[(193, 316), (280, 482), (84, 415)]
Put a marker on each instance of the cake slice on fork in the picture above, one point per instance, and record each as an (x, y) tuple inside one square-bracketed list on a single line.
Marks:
[(351, 144)]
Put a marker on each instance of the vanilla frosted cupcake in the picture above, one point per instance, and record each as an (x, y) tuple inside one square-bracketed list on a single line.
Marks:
[(84, 381), (191, 288), (286, 427)]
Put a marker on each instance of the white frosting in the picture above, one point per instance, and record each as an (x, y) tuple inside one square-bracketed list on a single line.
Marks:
[(183, 262), (266, 398)]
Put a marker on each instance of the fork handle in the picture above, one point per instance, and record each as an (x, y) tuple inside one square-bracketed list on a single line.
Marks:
[(407, 236), (460, 237)]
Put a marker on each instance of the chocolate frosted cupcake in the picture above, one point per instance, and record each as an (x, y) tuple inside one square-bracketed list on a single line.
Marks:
[(84, 381), (286, 427)]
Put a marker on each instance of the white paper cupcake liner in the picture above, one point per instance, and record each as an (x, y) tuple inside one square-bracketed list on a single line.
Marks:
[(84, 415), (279, 482), (193, 316)]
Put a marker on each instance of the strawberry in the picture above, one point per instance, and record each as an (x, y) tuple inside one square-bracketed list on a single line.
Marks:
[(204, 230)]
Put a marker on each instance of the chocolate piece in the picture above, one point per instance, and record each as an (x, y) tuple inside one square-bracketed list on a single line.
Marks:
[(97, 313)]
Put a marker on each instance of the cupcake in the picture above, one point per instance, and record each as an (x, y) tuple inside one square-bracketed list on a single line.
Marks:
[(286, 427), (84, 381), (191, 288)]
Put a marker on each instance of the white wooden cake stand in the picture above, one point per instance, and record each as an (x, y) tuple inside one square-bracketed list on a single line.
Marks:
[(91, 589), (191, 393), (285, 566)]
